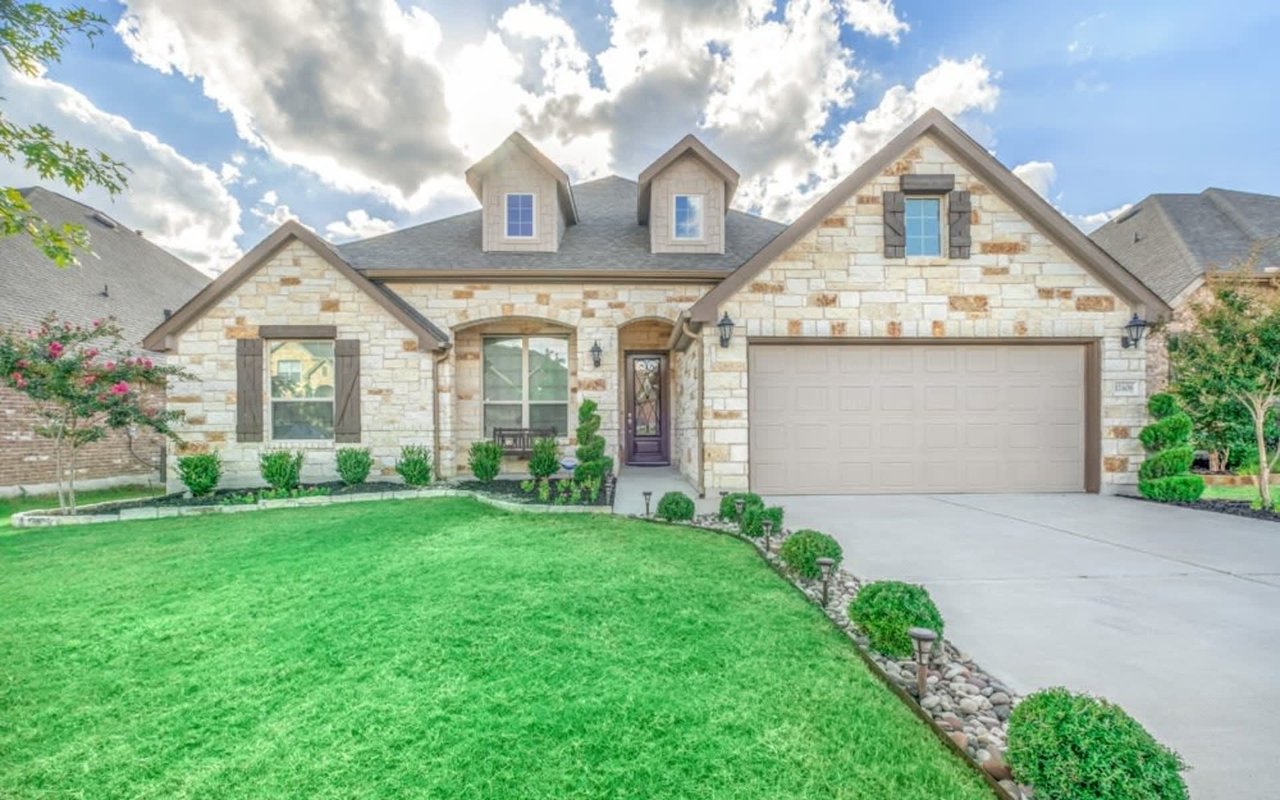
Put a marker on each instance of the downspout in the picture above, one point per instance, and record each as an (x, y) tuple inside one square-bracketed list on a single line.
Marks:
[(702, 464), (435, 407)]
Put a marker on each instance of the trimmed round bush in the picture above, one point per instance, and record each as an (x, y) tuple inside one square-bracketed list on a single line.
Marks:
[(281, 469), (414, 466), (545, 459), (801, 550), (675, 507), (200, 473), (354, 464), (886, 610), (486, 460), (1076, 747), (1174, 489), (1164, 475), (730, 514), (753, 518)]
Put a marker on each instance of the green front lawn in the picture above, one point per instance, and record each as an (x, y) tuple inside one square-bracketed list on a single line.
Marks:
[(12, 505), (1246, 493), (433, 648)]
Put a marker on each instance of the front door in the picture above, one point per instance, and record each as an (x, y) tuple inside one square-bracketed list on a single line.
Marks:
[(646, 425)]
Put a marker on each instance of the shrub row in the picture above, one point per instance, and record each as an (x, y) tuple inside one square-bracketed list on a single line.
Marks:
[(282, 469)]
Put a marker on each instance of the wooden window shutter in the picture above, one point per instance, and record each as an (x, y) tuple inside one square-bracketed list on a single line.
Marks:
[(958, 211), (895, 225), (248, 390), (346, 421)]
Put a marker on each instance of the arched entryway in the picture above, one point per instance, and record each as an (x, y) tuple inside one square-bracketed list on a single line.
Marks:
[(646, 392)]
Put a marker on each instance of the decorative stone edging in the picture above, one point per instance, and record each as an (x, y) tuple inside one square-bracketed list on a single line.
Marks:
[(43, 518), (965, 707)]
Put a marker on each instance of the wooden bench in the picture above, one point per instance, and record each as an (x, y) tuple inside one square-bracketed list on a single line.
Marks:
[(519, 441)]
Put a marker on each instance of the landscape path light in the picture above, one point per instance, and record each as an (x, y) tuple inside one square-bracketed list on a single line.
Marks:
[(647, 497), (827, 566), (924, 639), (738, 505), (767, 524)]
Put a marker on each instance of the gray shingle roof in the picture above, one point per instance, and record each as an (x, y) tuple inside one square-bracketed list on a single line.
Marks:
[(607, 237), (1170, 240), (140, 279)]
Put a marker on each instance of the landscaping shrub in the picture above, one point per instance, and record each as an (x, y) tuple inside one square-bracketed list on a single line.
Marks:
[(675, 507), (354, 464), (727, 511), (886, 610), (545, 459), (282, 469), (486, 460), (414, 466), (1076, 747), (801, 550), (200, 473), (753, 517), (1164, 474), (593, 464)]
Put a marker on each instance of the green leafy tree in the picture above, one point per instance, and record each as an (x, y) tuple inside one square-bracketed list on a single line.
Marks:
[(84, 384), (32, 35), (1233, 356)]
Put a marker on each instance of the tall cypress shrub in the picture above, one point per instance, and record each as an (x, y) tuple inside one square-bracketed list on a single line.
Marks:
[(593, 464), (1165, 474)]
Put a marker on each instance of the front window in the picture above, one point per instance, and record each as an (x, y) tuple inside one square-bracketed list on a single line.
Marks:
[(519, 216), (526, 383), (688, 216), (924, 227), (301, 375)]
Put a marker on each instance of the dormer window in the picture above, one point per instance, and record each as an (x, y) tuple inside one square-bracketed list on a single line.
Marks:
[(923, 220), (687, 217), (520, 208)]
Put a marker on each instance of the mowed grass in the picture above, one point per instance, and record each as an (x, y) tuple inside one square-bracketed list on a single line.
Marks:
[(12, 505), (433, 648), (1246, 493)]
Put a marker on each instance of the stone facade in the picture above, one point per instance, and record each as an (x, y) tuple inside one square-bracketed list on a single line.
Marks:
[(835, 282), (686, 175), (519, 173)]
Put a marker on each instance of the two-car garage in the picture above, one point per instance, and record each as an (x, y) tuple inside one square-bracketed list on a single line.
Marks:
[(916, 417)]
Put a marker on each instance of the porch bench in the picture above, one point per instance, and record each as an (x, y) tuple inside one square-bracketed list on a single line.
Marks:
[(519, 441)]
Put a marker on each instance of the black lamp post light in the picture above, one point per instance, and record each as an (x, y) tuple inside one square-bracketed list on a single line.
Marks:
[(827, 566), (767, 525), (738, 505), (924, 639), (647, 497), (1133, 332), (726, 329), (596, 353)]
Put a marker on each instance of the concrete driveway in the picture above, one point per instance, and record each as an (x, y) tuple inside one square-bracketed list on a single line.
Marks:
[(1174, 614)]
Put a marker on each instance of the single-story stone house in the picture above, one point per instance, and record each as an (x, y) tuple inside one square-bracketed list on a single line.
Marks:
[(1178, 243), (123, 275), (931, 324)]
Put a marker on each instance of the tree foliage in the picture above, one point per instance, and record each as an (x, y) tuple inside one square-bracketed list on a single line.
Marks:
[(32, 35)]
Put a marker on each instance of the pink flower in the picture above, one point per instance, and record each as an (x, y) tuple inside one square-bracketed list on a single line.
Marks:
[(55, 349), (109, 365), (147, 363), (97, 323), (23, 363), (90, 354), (90, 379), (120, 388)]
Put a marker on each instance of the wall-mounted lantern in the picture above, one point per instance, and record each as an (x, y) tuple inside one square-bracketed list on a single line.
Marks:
[(1133, 332), (726, 329), (596, 353)]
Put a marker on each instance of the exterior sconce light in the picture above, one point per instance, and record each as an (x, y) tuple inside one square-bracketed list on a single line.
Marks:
[(596, 353), (738, 505), (924, 639), (1133, 332), (647, 497), (826, 565), (726, 329), (767, 525)]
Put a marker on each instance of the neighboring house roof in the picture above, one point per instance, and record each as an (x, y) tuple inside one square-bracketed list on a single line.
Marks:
[(606, 239), (123, 275), (1171, 240), (429, 335), (1034, 208), (692, 145), (476, 172)]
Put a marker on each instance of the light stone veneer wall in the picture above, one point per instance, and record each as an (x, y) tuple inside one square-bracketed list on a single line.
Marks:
[(298, 287), (686, 175), (835, 282), (520, 174), (686, 441)]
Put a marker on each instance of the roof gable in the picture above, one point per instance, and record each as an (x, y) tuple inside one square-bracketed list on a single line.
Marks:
[(160, 339), (564, 191), (1034, 208), (693, 146)]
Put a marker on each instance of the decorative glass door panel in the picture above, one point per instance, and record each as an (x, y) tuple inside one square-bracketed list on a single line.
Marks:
[(646, 431)]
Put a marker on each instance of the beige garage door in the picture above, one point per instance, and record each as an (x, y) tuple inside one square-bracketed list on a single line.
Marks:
[(864, 419)]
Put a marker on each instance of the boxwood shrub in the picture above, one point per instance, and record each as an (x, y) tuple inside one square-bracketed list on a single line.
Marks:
[(886, 610), (729, 513), (414, 466), (753, 518), (675, 507), (281, 469), (801, 550), (486, 460), (1076, 747), (545, 459), (354, 464), (200, 473)]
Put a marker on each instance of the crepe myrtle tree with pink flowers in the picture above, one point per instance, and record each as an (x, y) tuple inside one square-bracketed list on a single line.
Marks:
[(84, 383)]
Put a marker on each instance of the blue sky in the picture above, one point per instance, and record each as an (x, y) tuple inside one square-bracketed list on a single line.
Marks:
[(358, 119)]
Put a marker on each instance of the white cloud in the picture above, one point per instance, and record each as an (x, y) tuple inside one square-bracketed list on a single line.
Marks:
[(1039, 175), (178, 204), (269, 209), (270, 197), (875, 18), (1091, 222), (358, 224), (228, 173)]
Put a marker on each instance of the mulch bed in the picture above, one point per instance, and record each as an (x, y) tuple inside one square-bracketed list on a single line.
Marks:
[(217, 498), (1236, 508), (509, 489)]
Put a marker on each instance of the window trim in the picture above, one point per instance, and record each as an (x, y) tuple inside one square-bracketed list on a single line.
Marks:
[(270, 399), (524, 402), (506, 216), (702, 217), (906, 229)]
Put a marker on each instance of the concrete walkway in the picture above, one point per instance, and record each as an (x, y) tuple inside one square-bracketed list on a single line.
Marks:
[(633, 482), (1173, 614)]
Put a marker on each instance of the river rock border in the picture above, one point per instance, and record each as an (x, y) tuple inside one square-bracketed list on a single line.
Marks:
[(965, 706)]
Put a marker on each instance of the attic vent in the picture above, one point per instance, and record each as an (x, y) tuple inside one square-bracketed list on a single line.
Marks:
[(103, 220), (1137, 237), (168, 312)]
